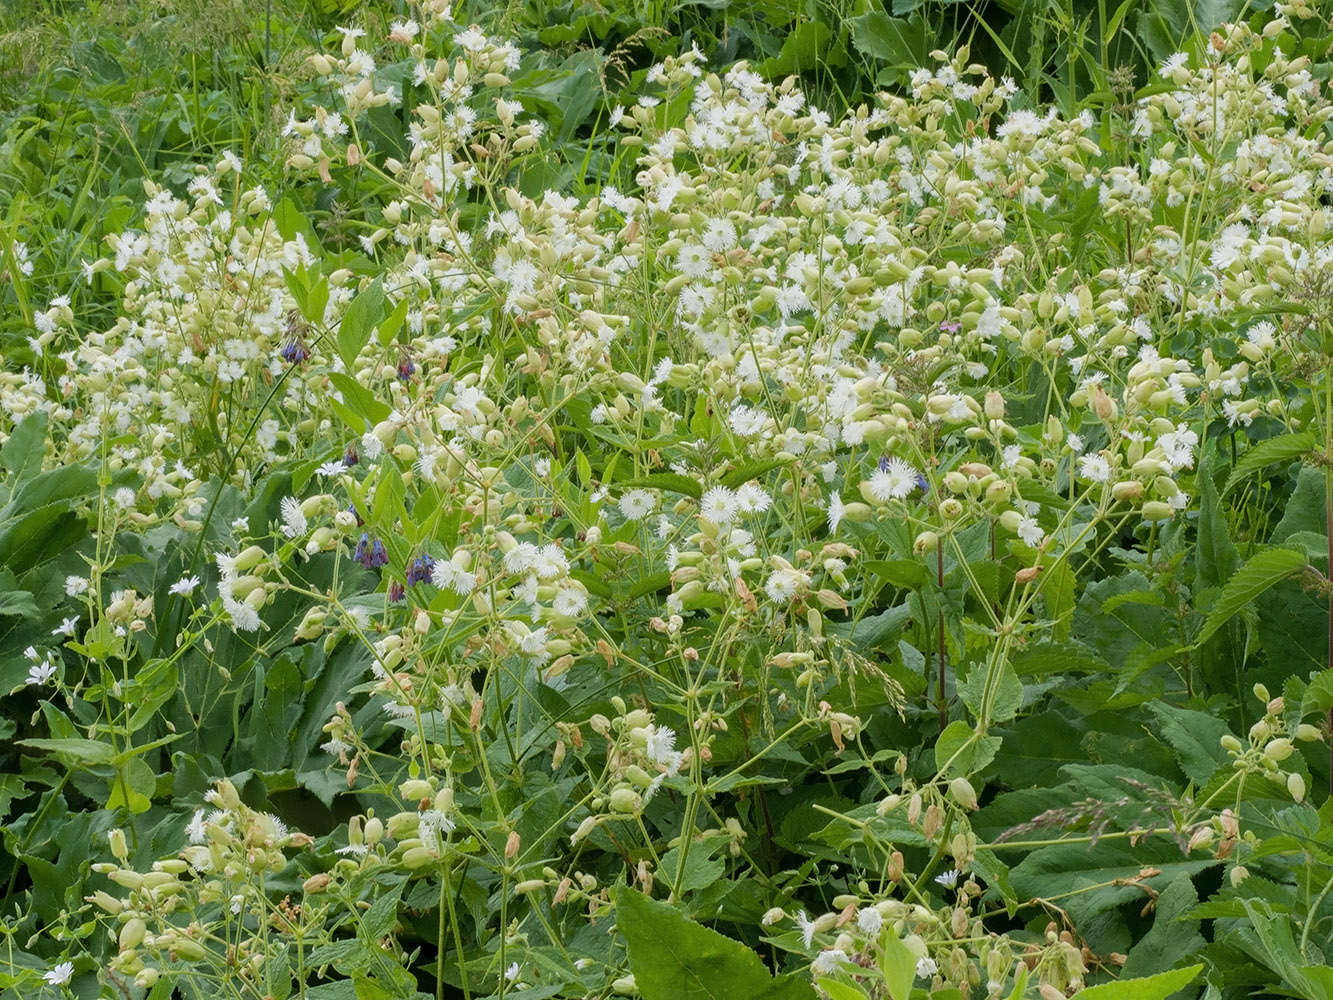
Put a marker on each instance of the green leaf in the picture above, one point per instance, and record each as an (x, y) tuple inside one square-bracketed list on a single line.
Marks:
[(74, 750), (1173, 937), (360, 399), (358, 322), (670, 481), (673, 958), (1265, 569), (22, 454), (899, 966), (893, 40), (1216, 557), (1283, 448), (1157, 987), (842, 991), (740, 476), (961, 751), (392, 324), (133, 788), (1195, 736), (1318, 696)]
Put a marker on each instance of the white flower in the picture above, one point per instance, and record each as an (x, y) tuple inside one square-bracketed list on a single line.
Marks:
[(637, 504), (1094, 467), (784, 584), (371, 446), (41, 673), (293, 519), (835, 512), (185, 586), (67, 626), (925, 968), (243, 617), (660, 747), (195, 829), (752, 499), (869, 920), (1030, 531), (893, 482), (570, 600), (60, 975), (76, 585), (828, 961), (806, 927), (719, 505), (511, 973), (949, 878)]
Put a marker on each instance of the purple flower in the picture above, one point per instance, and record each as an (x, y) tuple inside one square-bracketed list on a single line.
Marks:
[(421, 569), (294, 352), (350, 456), (406, 369), (397, 592)]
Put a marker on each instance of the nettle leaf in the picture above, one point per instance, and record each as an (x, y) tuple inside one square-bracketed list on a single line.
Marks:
[(673, 958), (1283, 448), (1195, 736), (1157, 987), (1265, 569), (1174, 935)]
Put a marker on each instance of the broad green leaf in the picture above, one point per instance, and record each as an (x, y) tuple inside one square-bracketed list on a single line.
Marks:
[(22, 454), (701, 868), (842, 991), (1006, 699), (740, 476), (358, 321), (1305, 510), (673, 958), (1264, 569), (1157, 987), (392, 324), (905, 574), (1318, 696), (133, 787), (1173, 936), (959, 750), (1195, 736), (670, 481), (360, 399), (899, 966), (1283, 448), (78, 751)]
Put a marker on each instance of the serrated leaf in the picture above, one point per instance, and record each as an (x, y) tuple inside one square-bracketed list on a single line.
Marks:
[(1195, 736), (739, 477), (650, 583), (1264, 570), (1157, 987), (1283, 448), (670, 481), (1174, 934)]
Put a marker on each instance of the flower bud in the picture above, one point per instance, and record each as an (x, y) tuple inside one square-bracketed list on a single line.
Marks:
[(1296, 786), (963, 793)]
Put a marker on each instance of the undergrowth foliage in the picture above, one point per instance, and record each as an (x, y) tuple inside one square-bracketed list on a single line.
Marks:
[(819, 534)]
